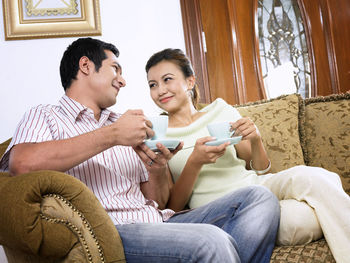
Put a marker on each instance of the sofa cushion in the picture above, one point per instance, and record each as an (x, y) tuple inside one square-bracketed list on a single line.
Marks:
[(277, 120), (3, 147), (317, 251), (326, 134)]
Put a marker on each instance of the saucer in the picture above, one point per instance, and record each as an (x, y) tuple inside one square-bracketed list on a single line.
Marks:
[(170, 144), (233, 140)]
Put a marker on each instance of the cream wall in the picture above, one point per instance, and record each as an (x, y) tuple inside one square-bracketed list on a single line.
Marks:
[(29, 68), (29, 72)]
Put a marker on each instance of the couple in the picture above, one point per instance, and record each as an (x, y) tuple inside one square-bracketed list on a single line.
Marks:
[(105, 150)]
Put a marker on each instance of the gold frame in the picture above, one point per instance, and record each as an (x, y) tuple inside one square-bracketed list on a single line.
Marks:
[(89, 24)]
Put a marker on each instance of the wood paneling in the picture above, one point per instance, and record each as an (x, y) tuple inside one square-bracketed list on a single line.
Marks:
[(192, 25), (232, 64), (232, 59), (328, 28), (323, 77), (243, 21), (220, 60), (339, 16)]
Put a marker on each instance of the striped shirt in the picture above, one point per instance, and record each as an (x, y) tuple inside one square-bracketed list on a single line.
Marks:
[(113, 175)]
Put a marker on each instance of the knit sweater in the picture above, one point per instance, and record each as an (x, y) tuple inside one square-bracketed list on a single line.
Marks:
[(217, 179)]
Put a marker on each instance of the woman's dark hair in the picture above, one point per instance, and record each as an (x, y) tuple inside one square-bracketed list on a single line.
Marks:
[(94, 49), (178, 57)]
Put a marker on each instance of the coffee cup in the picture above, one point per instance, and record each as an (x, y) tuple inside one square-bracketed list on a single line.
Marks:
[(220, 130), (159, 126)]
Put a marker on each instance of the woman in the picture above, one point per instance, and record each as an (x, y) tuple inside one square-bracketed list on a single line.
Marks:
[(203, 173)]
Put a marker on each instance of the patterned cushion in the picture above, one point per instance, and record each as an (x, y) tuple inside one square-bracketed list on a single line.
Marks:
[(313, 252), (326, 134), (277, 121)]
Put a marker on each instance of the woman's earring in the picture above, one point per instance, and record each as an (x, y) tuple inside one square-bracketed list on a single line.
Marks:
[(191, 93)]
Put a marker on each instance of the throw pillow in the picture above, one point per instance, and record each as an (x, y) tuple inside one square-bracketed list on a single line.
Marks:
[(278, 122), (326, 134)]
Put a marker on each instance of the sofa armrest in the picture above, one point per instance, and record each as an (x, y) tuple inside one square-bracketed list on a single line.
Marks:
[(48, 213)]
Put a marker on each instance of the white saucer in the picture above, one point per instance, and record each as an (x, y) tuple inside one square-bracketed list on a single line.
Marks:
[(170, 144), (233, 140)]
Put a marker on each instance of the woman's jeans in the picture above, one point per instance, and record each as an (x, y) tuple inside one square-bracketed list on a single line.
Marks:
[(239, 227)]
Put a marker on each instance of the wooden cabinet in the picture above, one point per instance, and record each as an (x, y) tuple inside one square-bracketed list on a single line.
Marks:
[(222, 42)]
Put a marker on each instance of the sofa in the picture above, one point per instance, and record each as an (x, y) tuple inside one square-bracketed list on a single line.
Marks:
[(314, 132), (49, 216)]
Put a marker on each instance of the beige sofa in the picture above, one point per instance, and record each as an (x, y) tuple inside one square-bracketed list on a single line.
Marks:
[(49, 216), (313, 132)]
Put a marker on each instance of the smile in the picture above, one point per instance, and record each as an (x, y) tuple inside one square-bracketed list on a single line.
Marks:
[(164, 100), (117, 88)]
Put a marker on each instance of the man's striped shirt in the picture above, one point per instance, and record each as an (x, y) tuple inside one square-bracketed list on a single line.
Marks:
[(113, 175)]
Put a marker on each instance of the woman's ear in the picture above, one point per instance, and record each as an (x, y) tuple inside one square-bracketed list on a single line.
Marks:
[(84, 64), (191, 80)]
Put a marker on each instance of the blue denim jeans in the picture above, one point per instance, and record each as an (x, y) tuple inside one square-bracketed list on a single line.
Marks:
[(239, 227)]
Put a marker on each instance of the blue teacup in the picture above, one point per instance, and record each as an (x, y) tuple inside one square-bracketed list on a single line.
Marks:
[(220, 130), (159, 126)]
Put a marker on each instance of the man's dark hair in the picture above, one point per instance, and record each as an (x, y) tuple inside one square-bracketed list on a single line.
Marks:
[(92, 48)]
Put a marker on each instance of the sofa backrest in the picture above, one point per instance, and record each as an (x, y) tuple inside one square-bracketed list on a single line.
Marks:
[(325, 134), (278, 122)]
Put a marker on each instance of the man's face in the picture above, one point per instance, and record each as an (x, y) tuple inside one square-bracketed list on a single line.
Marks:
[(106, 83)]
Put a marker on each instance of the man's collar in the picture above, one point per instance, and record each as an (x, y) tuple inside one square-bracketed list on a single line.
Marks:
[(74, 109)]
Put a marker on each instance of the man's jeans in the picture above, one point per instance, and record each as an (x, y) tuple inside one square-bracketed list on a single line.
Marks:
[(239, 227)]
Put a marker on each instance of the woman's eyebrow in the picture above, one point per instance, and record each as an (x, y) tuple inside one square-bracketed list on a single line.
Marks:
[(167, 74)]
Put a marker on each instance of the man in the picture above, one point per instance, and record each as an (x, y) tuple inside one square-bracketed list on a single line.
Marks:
[(105, 150)]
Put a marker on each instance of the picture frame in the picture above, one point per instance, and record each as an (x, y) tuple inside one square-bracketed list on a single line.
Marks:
[(31, 19)]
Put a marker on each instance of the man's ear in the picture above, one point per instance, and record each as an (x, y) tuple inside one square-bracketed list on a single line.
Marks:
[(85, 65)]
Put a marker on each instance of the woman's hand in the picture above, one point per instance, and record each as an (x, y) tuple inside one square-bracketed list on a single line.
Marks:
[(246, 128), (204, 154), (252, 149), (157, 187)]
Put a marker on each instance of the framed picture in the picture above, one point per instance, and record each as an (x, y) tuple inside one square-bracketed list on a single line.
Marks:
[(28, 19)]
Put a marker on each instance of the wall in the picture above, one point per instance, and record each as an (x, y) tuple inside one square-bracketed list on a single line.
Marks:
[(29, 72), (29, 68)]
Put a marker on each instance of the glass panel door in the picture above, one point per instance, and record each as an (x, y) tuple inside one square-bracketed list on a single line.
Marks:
[(283, 49)]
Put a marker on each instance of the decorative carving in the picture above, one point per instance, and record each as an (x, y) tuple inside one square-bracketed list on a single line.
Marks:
[(283, 47)]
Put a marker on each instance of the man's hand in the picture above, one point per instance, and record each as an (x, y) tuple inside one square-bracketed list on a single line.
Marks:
[(132, 128), (156, 161)]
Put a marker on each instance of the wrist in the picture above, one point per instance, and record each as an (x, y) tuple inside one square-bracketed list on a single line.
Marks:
[(259, 172), (192, 160), (114, 133), (256, 141), (159, 171)]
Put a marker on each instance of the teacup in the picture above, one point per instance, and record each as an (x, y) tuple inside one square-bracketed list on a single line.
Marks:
[(159, 126), (220, 130)]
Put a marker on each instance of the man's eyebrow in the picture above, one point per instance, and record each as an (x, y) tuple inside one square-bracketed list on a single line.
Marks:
[(118, 65)]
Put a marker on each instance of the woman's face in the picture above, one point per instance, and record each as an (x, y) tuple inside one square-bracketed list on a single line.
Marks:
[(168, 86)]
